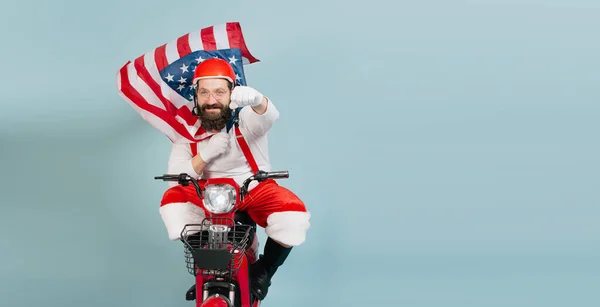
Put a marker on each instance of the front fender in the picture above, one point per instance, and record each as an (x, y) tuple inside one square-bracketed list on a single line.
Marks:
[(216, 300)]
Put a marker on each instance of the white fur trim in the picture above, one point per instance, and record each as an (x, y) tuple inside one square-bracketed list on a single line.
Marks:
[(288, 227), (177, 215)]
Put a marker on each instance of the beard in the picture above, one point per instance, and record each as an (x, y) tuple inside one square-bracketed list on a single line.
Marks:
[(214, 121)]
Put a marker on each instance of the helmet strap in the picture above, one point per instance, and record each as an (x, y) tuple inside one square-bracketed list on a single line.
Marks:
[(196, 108)]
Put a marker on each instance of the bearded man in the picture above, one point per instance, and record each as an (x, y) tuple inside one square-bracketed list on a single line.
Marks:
[(278, 210)]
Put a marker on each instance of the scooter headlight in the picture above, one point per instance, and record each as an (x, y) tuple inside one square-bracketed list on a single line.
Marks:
[(219, 198)]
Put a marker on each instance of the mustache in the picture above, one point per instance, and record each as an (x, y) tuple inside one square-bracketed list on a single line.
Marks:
[(213, 106)]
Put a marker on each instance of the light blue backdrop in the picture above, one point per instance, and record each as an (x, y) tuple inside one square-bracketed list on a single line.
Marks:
[(448, 151)]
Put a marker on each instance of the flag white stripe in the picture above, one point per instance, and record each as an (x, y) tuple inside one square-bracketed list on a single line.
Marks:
[(221, 38), (142, 88), (195, 41), (171, 52)]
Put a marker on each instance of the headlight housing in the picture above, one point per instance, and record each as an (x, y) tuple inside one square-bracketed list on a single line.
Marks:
[(219, 198)]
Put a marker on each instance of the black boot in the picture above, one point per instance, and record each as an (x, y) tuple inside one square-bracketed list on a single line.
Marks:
[(265, 267)]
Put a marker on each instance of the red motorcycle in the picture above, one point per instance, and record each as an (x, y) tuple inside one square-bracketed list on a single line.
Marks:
[(220, 250)]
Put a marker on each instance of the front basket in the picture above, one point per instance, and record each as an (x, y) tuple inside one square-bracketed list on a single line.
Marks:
[(215, 247)]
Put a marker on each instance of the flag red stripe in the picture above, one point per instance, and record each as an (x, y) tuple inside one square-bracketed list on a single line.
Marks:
[(183, 46), (130, 92), (160, 57), (208, 39), (236, 40), (233, 35)]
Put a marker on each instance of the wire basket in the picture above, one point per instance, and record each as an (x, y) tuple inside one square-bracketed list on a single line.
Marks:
[(215, 247)]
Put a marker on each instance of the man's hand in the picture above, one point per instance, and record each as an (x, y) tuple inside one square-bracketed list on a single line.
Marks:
[(242, 96), (217, 144)]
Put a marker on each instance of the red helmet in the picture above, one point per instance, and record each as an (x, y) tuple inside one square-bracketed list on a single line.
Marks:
[(214, 68)]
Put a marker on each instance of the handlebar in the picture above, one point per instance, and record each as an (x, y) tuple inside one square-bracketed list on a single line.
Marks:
[(259, 176), (184, 179)]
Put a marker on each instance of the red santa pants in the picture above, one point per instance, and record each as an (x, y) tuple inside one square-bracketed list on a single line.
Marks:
[(271, 206)]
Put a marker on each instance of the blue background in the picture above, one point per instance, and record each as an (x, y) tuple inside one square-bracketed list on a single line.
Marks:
[(448, 151)]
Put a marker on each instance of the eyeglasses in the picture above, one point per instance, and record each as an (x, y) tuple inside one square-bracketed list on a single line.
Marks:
[(218, 93)]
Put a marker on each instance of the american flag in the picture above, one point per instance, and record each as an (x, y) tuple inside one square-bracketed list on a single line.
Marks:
[(158, 84)]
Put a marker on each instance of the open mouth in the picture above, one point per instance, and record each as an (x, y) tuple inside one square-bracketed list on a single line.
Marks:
[(212, 107)]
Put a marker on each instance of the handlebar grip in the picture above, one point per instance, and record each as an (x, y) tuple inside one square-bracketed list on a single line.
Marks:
[(167, 177), (278, 174)]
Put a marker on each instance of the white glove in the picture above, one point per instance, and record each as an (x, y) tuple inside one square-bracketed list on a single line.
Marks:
[(217, 144), (242, 96)]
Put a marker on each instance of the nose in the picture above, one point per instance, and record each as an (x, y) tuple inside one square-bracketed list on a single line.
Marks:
[(212, 99)]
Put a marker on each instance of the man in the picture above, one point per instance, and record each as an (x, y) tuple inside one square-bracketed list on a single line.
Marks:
[(273, 207)]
